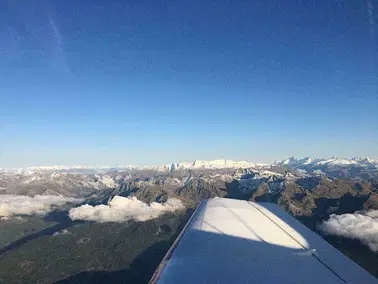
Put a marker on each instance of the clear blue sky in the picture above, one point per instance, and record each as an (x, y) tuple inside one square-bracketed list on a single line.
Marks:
[(150, 82)]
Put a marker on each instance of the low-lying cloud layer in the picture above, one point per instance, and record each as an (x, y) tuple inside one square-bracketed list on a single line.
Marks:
[(360, 225), (11, 205), (120, 209)]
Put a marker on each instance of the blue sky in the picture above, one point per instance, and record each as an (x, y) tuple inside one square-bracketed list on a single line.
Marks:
[(150, 82)]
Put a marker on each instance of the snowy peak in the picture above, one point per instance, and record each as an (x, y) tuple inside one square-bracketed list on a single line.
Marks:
[(54, 168), (307, 161), (196, 165), (295, 162), (331, 162), (209, 165), (365, 160), (218, 164), (289, 161), (337, 161)]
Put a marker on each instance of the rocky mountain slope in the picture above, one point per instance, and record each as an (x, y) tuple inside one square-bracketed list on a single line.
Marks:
[(55, 183), (304, 187)]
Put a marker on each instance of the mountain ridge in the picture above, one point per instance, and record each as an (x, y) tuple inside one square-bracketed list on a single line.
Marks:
[(205, 164)]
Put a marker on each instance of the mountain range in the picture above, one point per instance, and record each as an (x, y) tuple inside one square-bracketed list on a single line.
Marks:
[(312, 190), (301, 163), (295, 184)]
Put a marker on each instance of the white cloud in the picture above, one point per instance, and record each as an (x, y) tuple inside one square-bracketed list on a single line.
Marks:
[(360, 225), (25, 205), (58, 51), (108, 181), (120, 209), (62, 232)]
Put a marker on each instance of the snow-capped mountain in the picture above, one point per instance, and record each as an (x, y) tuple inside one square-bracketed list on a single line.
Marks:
[(288, 182), (215, 164), (196, 165), (333, 161), (301, 163), (337, 162), (364, 168), (56, 183), (79, 181), (365, 161)]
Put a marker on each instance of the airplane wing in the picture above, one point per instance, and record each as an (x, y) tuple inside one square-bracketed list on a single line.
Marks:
[(237, 241)]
